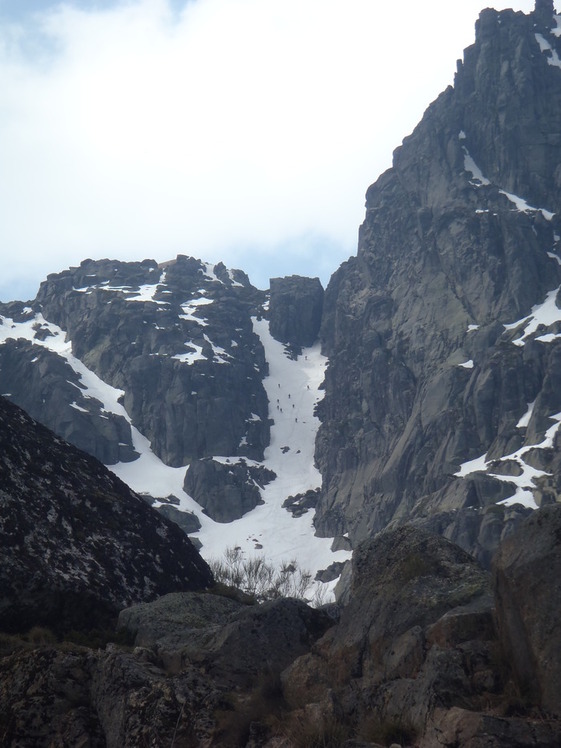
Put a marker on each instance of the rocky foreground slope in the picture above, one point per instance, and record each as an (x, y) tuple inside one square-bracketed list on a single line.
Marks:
[(431, 650), (76, 545)]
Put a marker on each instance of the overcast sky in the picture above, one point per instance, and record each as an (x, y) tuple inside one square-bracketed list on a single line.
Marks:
[(245, 131)]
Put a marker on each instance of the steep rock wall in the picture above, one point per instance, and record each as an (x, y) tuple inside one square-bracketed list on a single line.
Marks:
[(459, 239)]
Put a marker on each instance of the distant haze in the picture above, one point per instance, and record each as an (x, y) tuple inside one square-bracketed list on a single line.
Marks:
[(245, 131)]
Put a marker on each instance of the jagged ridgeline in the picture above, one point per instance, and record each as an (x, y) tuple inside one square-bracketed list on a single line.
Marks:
[(441, 338), (169, 374)]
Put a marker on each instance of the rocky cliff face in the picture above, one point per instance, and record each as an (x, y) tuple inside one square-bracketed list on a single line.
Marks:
[(76, 545), (443, 333), (178, 341)]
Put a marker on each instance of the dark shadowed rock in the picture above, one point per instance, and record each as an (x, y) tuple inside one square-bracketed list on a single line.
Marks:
[(416, 652), (264, 639), (461, 727), (403, 583), (402, 579), (102, 699), (479, 529), (226, 490), (50, 391), (77, 545), (177, 621), (295, 309), (188, 521), (527, 579)]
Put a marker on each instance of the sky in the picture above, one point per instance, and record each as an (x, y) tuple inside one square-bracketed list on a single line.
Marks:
[(242, 131)]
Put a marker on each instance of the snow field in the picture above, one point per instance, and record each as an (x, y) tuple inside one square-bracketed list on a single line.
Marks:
[(269, 530)]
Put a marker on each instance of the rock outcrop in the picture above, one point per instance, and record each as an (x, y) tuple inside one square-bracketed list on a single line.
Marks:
[(527, 578), (414, 658), (76, 545), (443, 333), (176, 341), (295, 310), (226, 490), (204, 669)]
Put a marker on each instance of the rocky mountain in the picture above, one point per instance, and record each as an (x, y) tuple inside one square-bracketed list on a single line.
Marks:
[(173, 376), (76, 544), (440, 344), (443, 333), (177, 340), (432, 411)]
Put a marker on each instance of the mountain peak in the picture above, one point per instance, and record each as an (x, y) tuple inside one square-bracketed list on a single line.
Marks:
[(544, 8)]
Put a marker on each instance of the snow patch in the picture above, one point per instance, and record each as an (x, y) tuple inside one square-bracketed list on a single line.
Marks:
[(525, 419), (220, 355), (546, 313), (191, 356), (525, 483), (545, 47), (144, 293), (472, 466), (477, 178), (522, 206), (208, 272), (190, 307), (234, 281)]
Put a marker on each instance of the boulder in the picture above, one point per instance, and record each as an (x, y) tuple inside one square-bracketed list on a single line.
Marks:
[(264, 640), (415, 600), (226, 490), (176, 621), (403, 580), (416, 652), (188, 521), (527, 581)]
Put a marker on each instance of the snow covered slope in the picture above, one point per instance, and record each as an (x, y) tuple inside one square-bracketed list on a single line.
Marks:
[(225, 341)]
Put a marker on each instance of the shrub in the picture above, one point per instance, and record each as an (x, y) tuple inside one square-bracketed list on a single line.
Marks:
[(308, 733), (39, 636), (261, 580)]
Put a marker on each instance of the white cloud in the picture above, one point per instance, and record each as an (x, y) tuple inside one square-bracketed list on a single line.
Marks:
[(238, 130)]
